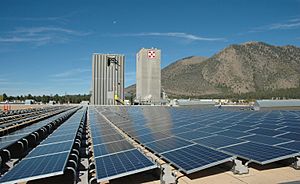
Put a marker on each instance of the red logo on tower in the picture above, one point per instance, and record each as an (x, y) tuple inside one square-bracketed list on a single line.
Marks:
[(151, 54)]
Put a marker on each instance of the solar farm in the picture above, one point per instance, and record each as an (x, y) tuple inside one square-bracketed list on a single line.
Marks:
[(95, 144)]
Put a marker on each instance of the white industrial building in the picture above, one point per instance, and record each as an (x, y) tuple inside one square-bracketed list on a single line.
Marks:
[(148, 76), (107, 79)]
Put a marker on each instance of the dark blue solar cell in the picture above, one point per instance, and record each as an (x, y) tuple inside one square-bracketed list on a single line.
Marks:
[(218, 141), (121, 164), (193, 135), (264, 131), (291, 145), (51, 149), (112, 147), (167, 144), (211, 129), (291, 129), (106, 139), (140, 132), (290, 124), (240, 128), (233, 133), (290, 135), (175, 131), (151, 137), (37, 167), (269, 126), (195, 158), (265, 139), (259, 153), (54, 139), (194, 126), (245, 123), (221, 125)]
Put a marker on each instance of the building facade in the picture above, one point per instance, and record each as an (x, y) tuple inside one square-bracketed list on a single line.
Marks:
[(148, 76), (107, 79)]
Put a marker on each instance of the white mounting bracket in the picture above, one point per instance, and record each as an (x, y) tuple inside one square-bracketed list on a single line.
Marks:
[(166, 174), (296, 164), (239, 168)]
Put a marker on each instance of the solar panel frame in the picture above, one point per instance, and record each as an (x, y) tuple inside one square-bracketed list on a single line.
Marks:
[(168, 144), (100, 168), (218, 141), (265, 139), (175, 158), (194, 134), (250, 153), (36, 163), (295, 145), (111, 148)]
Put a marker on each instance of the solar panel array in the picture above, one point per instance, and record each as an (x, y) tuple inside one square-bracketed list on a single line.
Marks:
[(19, 134), (260, 136), (162, 140), (191, 139), (49, 158), (114, 155)]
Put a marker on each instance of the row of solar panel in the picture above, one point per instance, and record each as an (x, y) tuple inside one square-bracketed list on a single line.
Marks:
[(49, 158), (114, 156), (17, 135), (157, 133)]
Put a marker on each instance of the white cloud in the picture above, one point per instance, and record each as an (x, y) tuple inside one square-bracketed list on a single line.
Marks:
[(24, 39), (186, 36), (32, 31), (40, 35), (70, 73), (289, 24)]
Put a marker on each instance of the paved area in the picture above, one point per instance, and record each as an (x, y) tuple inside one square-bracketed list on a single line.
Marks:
[(216, 175)]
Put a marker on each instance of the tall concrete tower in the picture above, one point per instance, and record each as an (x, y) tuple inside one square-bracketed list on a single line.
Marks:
[(148, 79), (107, 79)]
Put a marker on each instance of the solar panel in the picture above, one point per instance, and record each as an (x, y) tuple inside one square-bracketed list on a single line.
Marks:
[(291, 129), (218, 141), (167, 144), (234, 133), (60, 138), (151, 137), (265, 139), (264, 131), (290, 135), (291, 145), (106, 139), (196, 134), (121, 164), (35, 168), (259, 153), (269, 126), (195, 158), (50, 149), (175, 131), (211, 129), (241, 128), (113, 147)]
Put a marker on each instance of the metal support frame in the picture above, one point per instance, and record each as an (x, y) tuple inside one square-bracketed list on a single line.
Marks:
[(296, 164), (239, 168), (166, 174)]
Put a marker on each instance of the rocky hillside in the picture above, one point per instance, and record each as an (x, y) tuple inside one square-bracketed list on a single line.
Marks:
[(238, 69)]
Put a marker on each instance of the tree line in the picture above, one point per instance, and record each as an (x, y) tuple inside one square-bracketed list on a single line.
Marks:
[(46, 98), (292, 93)]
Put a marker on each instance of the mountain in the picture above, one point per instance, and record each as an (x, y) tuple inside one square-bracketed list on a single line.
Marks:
[(251, 67)]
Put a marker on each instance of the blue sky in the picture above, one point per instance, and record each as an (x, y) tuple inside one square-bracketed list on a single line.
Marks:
[(46, 46)]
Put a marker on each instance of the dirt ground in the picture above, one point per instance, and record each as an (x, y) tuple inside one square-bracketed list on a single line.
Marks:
[(21, 106)]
